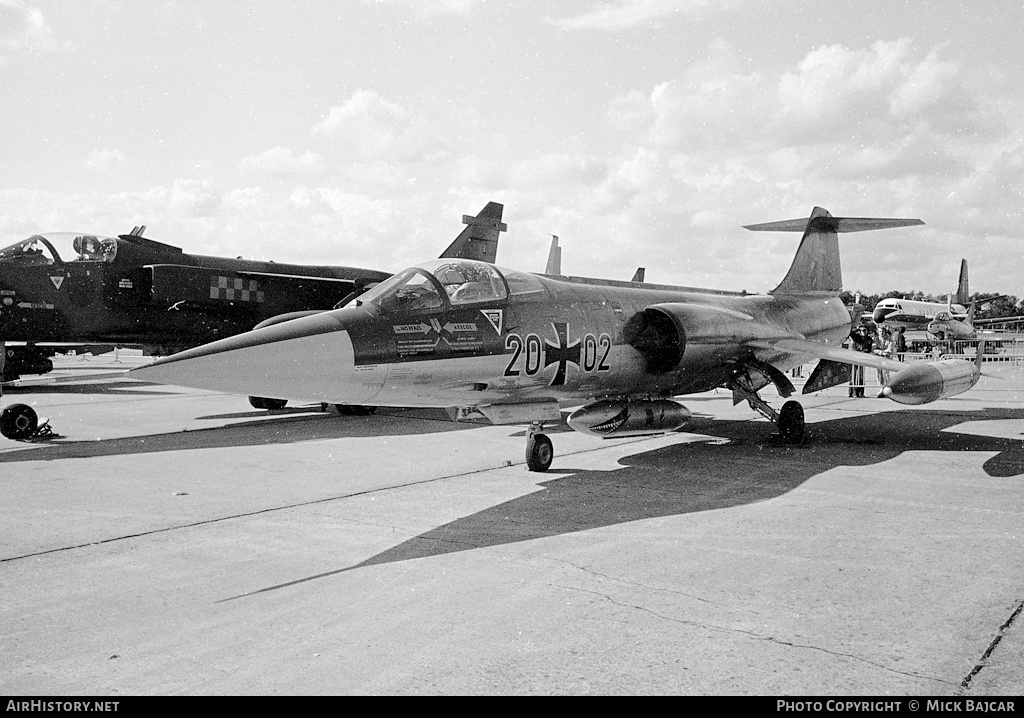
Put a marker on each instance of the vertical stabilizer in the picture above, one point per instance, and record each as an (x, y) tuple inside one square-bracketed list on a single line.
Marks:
[(963, 289), (554, 265), (479, 240), (816, 268), (638, 275)]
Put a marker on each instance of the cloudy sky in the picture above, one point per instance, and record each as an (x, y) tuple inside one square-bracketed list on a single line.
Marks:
[(642, 132)]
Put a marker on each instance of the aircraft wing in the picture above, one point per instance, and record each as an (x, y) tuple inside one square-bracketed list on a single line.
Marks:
[(919, 319), (831, 353), (47, 379), (303, 277), (998, 320)]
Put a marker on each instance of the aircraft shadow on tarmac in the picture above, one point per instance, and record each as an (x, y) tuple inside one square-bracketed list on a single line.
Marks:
[(125, 388), (703, 476), (284, 426)]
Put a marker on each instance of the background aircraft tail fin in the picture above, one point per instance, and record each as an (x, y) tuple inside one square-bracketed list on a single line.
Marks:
[(554, 265), (479, 240), (816, 268), (963, 290)]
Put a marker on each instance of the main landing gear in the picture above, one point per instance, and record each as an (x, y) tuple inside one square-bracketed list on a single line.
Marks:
[(750, 376), (790, 419), (539, 451)]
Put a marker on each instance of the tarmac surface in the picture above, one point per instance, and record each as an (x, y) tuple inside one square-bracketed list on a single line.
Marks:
[(171, 541)]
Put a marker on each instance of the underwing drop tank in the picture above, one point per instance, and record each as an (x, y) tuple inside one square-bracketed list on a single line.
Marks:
[(924, 382), (610, 419)]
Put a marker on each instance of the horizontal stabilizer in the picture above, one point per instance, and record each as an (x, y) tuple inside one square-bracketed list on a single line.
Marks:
[(816, 268), (835, 224)]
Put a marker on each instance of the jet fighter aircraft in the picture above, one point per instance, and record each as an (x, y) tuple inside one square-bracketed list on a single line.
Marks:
[(65, 290), (515, 347), (947, 327)]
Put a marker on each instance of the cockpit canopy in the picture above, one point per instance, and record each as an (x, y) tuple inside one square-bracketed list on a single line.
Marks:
[(453, 282), (60, 247)]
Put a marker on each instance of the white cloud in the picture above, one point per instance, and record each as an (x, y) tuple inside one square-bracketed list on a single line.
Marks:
[(432, 7), (104, 160), (621, 14), (23, 27), (368, 126), (282, 162)]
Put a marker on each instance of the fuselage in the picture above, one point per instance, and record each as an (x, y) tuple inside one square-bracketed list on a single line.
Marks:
[(419, 339)]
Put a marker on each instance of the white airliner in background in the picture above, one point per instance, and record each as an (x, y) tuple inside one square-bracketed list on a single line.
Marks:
[(910, 314)]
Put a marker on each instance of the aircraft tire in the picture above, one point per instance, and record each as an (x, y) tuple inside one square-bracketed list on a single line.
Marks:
[(539, 453), (262, 402), (791, 423), (18, 422)]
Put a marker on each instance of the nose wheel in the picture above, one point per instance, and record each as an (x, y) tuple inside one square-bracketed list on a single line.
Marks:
[(539, 451), (19, 422)]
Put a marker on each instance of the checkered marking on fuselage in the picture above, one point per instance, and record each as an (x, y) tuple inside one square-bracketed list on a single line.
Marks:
[(235, 290)]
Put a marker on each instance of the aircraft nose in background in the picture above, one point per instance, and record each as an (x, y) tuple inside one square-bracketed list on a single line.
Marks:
[(310, 358), (878, 316)]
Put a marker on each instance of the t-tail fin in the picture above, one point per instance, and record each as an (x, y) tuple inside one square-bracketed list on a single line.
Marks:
[(963, 290), (816, 268), (480, 239)]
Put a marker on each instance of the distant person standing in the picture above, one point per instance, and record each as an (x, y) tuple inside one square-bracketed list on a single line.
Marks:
[(888, 350), (900, 344), (861, 339)]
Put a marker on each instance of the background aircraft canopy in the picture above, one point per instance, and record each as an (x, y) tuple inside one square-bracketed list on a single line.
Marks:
[(58, 247)]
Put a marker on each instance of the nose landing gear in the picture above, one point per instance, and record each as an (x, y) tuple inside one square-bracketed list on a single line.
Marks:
[(539, 451)]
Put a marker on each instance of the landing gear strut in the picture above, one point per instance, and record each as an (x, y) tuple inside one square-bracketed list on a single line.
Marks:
[(539, 451), (790, 419)]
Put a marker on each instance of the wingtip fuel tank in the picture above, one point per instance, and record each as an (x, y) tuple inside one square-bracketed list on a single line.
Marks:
[(925, 382)]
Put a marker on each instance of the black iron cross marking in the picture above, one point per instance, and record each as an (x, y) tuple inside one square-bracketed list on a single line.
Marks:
[(561, 353)]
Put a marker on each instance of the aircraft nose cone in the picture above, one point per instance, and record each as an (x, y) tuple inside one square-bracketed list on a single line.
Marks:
[(297, 359)]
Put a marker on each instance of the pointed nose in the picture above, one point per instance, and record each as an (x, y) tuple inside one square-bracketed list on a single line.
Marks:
[(308, 359)]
